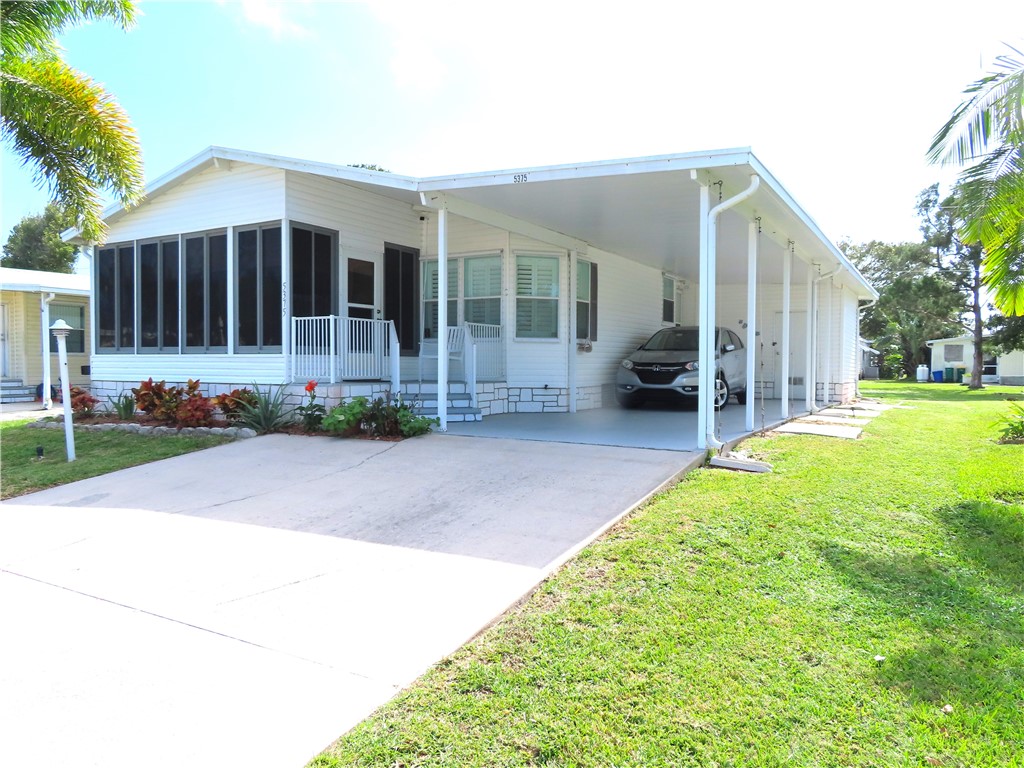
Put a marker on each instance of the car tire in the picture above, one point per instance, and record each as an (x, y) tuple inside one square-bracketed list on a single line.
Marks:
[(629, 401), (741, 397), (721, 393)]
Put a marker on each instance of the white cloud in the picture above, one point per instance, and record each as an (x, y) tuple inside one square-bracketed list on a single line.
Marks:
[(276, 16)]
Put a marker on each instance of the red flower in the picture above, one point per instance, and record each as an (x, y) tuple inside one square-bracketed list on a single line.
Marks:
[(311, 386)]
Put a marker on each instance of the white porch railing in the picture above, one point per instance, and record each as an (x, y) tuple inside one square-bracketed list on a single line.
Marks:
[(336, 348), (489, 341)]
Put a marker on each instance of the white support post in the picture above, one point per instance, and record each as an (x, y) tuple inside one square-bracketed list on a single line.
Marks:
[(809, 345), (751, 320), (286, 310), (827, 380), (571, 336), (61, 330), (787, 275), (705, 359), (44, 312), (442, 316)]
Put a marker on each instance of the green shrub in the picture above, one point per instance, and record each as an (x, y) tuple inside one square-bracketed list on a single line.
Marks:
[(312, 413), (346, 418), (383, 417), (1011, 425), (123, 405), (230, 404), (266, 412)]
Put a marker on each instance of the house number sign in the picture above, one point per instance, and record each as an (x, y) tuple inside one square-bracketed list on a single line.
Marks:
[(520, 178)]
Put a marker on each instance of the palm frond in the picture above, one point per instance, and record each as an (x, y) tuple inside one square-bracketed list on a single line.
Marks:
[(30, 27), (74, 133)]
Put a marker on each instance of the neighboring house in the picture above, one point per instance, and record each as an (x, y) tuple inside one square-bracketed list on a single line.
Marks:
[(958, 352), (30, 302), (242, 268), (870, 360)]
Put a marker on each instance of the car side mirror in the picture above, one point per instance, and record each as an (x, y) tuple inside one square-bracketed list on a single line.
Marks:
[(729, 348)]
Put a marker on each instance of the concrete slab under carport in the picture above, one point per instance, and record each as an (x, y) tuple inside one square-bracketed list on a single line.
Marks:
[(249, 603), (657, 426)]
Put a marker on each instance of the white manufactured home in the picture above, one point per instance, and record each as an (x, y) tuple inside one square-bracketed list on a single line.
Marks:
[(513, 291), (957, 354)]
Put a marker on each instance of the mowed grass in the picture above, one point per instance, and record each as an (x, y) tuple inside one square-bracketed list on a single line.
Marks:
[(736, 619), (97, 453)]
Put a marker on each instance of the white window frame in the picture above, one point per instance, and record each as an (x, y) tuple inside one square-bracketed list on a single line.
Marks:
[(557, 258)]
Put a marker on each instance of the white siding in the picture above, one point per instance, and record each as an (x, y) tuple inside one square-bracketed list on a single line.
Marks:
[(241, 370), (364, 221), (234, 194), (628, 312)]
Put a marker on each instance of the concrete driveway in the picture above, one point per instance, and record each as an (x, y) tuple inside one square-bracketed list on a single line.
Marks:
[(247, 604)]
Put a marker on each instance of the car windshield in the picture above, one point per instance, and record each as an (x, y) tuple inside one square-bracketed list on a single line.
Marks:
[(674, 340)]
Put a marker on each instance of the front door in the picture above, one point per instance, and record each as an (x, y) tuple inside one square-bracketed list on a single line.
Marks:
[(797, 354), (363, 339)]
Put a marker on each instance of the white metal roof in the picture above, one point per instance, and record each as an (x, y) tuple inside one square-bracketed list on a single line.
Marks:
[(645, 209), (36, 281)]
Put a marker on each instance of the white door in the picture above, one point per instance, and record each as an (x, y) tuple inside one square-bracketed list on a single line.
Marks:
[(797, 354), (4, 370), (363, 336)]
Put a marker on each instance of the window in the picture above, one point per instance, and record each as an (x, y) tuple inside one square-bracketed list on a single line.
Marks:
[(158, 295), (258, 270), (430, 294), (954, 353), (536, 297), (668, 299), (313, 276), (586, 300), (482, 290), (73, 315), (116, 297), (206, 292)]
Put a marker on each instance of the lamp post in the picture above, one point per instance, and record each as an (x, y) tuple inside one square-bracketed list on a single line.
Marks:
[(60, 330)]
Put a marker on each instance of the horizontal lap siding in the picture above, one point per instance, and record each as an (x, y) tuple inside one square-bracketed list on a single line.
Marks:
[(216, 198), (364, 221), (628, 312), (209, 369)]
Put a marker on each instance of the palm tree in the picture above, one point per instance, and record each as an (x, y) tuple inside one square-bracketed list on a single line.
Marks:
[(58, 120), (987, 129)]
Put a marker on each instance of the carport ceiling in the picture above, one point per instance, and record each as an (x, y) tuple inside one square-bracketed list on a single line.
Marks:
[(651, 216)]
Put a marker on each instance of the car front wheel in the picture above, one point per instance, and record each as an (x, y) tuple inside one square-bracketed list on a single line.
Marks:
[(721, 393)]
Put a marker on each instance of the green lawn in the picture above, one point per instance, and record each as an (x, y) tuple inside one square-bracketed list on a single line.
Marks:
[(736, 619), (96, 454)]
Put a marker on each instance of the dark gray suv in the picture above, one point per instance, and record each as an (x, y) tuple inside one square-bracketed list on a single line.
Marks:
[(665, 367)]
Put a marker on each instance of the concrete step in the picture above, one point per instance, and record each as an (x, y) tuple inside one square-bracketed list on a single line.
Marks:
[(430, 401), (414, 388), (18, 397), (454, 414)]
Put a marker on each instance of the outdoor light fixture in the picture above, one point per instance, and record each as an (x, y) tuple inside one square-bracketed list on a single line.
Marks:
[(39, 451), (60, 330)]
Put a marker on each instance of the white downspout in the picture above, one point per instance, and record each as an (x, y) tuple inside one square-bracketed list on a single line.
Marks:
[(708, 324), (44, 309)]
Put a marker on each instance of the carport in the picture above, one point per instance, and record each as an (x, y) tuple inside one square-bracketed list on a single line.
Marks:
[(720, 222)]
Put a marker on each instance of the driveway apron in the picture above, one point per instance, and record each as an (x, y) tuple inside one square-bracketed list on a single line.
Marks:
[(249, 603)]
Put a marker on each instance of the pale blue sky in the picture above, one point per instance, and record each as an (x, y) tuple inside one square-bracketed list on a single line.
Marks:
[(840, 107)]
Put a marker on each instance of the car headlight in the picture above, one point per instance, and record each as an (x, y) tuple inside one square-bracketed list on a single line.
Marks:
[(693, 365), (627, 364)]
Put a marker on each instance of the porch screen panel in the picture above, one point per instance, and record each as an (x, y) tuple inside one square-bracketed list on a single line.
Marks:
[(195, 305), (126, 296), (302, 272), (322, 282), (537, 297), (270, 239), (248, 288), (149, 295), (430, 297), (169, 288), (73, 315), (482, 290), (107, 298), (217, 319), (401, 303)]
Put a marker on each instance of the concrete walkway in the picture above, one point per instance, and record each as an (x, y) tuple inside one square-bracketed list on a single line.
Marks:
[(247, 604)]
